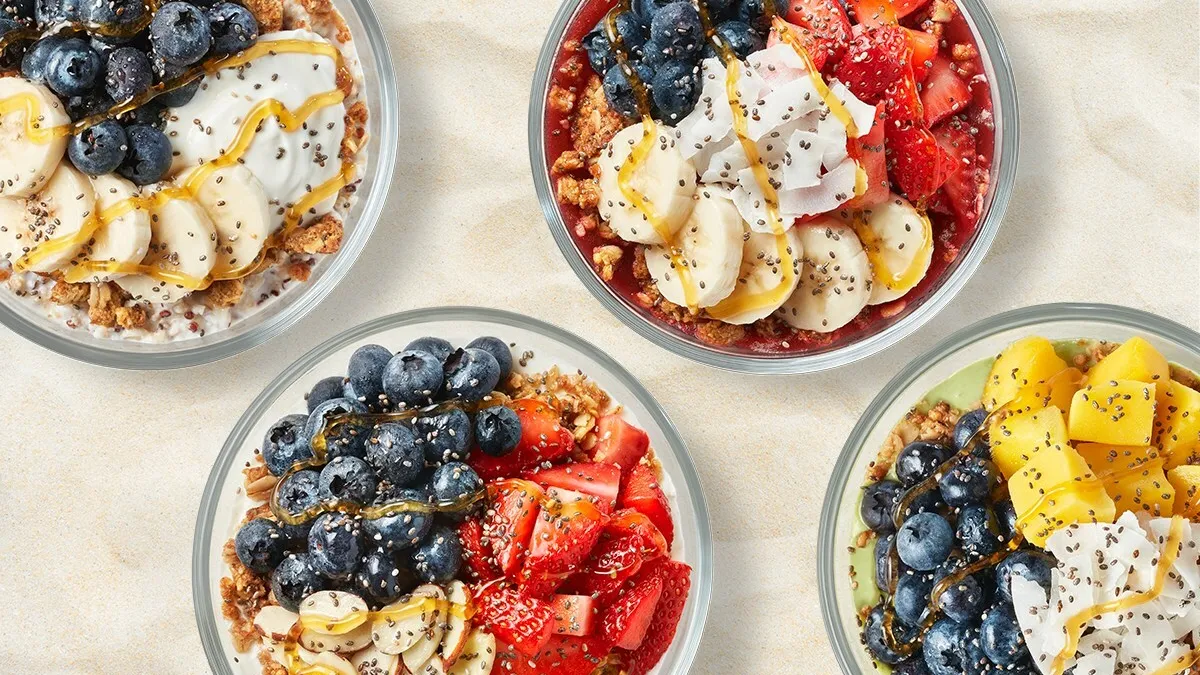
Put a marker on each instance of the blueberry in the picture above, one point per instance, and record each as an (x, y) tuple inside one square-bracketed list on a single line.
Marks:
[(943, 648), (296, 494), (347, 438), (413, 378), (295, 579), (285, 444), (118, 14), (8, 25), (73, 68), (978, 533), (21, 11), (349, 479), (971, 481), (151, 114), (677, 28), (966, 427), (912, 597), (599, 51), (1001, 636), (924, 542), (379, 578), (878, 506), (149, 156), (741, 38), (883, 560), (471, 374), (497, 430), (874, 638), (964, 600), (619, 91), (393, 450), (499, 349), (335, 544), (454, 482), (48, 12), (1032, 565), (918, 460), (926, 501), (975, 661), (180, 33), (37, 58), (87, 105), (323, 390), (365, 372), (444, 437), (676, 89), (1006, 515), (655, 56), (259, 545), (646, 9), (751, 12), (913, 666), (233, 27), (441, 349), (438, 558), (180, 95), (127, 74), (402, 530), (98, 150)]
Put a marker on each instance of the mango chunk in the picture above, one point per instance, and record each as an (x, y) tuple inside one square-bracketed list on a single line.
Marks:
[(1186, 480), (1057, 488), (1027, 361), (1017, 438), (1133, 476), (1056, 391), (1177, 424), (1116, 412), (1135, 359), (1068, 505)]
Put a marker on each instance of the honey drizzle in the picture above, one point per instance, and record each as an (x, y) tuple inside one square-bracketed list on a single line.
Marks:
[(836, 107), (109, 30), (896, 281)]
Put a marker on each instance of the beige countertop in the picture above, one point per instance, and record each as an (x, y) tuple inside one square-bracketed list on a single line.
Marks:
[(103, 470)]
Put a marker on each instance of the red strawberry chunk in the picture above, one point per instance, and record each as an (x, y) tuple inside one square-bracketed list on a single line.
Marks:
[(562, 655), (641, 492), (918, 165), (824, 25), (543, 439), (868, 151), (924, 50), (480, 558), (563, 538), (613, 562), (966, 185), (876, 59), (944, 93), (508, 525), (599, 480), (573, 614), (625, 623), (676, 579), (620, 443), (628, 521), (525, 623)]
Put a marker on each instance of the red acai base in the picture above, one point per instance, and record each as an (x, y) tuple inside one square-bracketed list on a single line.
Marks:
[(950, 235)]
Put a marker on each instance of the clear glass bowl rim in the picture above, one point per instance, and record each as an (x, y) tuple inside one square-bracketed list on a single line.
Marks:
[(1004, 104), (112, 354), (844, 646), (201, 600)]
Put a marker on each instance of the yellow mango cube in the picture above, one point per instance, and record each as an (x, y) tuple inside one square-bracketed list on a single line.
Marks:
[(1017, 438), (1067, 505), (1056, 392), (1186, 480), (1117, 412), (1177, 424), (1027, 361), (1133, 476), (1135, 359)]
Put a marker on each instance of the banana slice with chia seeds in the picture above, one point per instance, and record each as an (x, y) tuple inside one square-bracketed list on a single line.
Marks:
[(665, 180), (899, 243), (12, 220), (434, 666), (371, 661), (478, 656), (123, 239), (404, 623), (28, 160), (183, 242), (333, 612), (345, 643), (328, 663), (710, 247), (241, 213), (763, 283), (834, 281), (428, 641), (49, 234)]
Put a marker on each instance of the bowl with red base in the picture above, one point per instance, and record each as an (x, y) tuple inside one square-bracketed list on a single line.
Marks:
[(774, 194), (453, 490)]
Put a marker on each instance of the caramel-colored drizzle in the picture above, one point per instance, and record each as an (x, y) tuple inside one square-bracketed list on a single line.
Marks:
[(835, 105), (894, 280)]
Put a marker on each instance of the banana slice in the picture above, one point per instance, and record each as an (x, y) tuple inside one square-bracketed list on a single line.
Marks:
[(404, 623), (346, 643), (477, 657), (665, 179), (124, 239), (239, 209), (328, 663), (28, 161), (710, 245), (183, 242), (371, 661), (48, 236), (900, 237), (427, 642), (434, 666), (833, 284), (333, 612), (763, 284), (12, 228)]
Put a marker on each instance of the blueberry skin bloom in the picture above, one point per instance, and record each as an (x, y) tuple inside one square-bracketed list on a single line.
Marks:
[(918, 460), (324, 390), (444, 437), (285, 444), (925, 541), (439, 557), (498, 349), (73, 68), (969, 482), (964, 600), (879, 506), (471, 374), (676, 89), (619, 91), (454, 482), (365, 371), (677, 27), (1001, 636), (393, 450), (37, 58), (127, 74), (912, 597), (402, 530), (294, 580), (943, 648), (497, 430), (180, 33), (348, 479), (379, 578), (346, 439), (335, 544), (98, 150), (413, 378), (149, 156), (436, 346), (259, 545), (978, 532), (233, 28)]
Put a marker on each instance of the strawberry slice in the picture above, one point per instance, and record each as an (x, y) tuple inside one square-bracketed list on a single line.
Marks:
[(565, 534), (562, 655), (620, 443), (823, 24), (508, 525), (480, 558), (573, 614), (918, 165), (627, 521), (878, 12), (599, 480), (543, 439), (641, 492), (525, 623), (944, 92), (876, 59), (613, 562), (868, 151), (676, 579), (625, 623), (924, 47), (964, 189)]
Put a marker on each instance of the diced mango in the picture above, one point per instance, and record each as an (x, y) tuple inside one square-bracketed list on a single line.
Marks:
[(1057, 488), (1177, 424), (1135, 359), (1066, 506), (1186, 480), (1057, 392), (1017, 438), (1117, 412), (1133, 476), (1027, 361)]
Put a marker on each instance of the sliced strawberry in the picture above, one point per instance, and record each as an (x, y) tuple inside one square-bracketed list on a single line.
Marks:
[(628, 521), (877, 58), (480, 558), (823, 24), (563, 538), (543, 439), (676, 579), (642, 493), (508, 524), (818, 49), (625, 623), (562, 655), (924, 47), (525, 623), (876, 12), (918, 165), (944, 93), (963, 190), (868, 151), (573, 614), (903, 101), (599, 480), (613, 562), (620, 443)]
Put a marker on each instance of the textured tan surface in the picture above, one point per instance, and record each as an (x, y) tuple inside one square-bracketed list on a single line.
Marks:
[(102, 471)]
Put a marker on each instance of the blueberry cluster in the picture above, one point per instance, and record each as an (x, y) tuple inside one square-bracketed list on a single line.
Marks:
[(420, 459), (944, 530), (666, 42), (112, 51)]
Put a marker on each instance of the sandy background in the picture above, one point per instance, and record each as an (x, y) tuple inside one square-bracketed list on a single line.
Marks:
[(102, 471)]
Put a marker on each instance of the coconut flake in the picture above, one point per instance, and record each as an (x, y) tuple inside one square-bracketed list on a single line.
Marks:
[(784, 105), (862, 113), (711, 120), (836, 188), (778, 65), (802, 165)]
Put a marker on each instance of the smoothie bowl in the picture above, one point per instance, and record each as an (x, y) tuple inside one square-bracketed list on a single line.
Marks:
[(183, 181), (778, 187), (495, 497), (1024, 499)]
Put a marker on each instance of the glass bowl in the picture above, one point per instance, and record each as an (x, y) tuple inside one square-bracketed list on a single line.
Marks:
[(925, 302), (379, 90), (224, 504), (839, 515)]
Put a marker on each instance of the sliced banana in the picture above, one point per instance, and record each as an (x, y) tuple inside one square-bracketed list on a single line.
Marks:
[(275, 623), (902, 238), (665, 180), (328, 663), (833, 284), (763, 283), (709, 245), (346, 643), (183, 242), (124, 239), (434, 666), (427, 642), (12, 228), (404, 623), (477, 657), (371, 661), (241, 213), (27, 162), (49, 235), (458, 628), (333, 612)]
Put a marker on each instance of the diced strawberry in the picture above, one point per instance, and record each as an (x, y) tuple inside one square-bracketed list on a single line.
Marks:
[(963, 189), (613, 562), (625, 623), (620, 443), (876, 59), (903, 101), (628, 521), (918, 165), (924, 47), (599, 480), (525, 623), (480, 558), (562, 655), (573, 614), (508, 525), (817, 49), (543, 439), (642, 493), (676, 578), (868, 151), (563, 538), (876, 12), (944, 93), (823, 24)]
